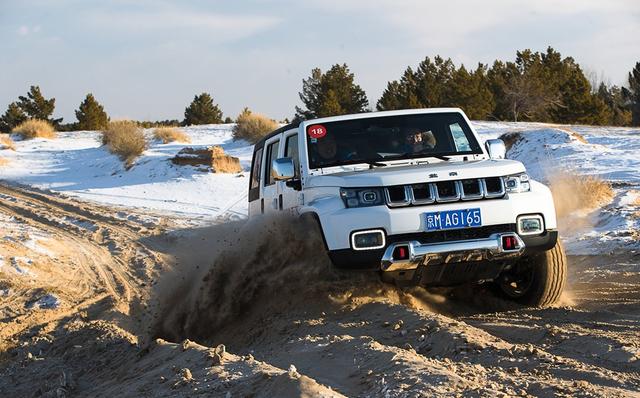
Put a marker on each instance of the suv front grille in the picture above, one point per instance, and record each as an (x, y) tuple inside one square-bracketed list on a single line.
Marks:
[(445, 191)]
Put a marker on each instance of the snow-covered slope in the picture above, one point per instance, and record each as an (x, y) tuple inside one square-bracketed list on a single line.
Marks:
[(610, 153), (75, 163)]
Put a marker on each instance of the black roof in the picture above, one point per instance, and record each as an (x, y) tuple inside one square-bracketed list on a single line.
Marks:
[(282, 129)]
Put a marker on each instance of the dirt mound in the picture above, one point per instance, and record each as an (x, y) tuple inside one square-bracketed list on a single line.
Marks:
[(213, 157)]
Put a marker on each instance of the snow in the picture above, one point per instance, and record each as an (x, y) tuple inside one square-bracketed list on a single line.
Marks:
[(76, 164), (609, 152), (32, 243), (46, 302), (20, 264)]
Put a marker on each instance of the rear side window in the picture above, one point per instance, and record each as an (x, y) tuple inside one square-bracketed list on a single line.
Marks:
[(291, 151), (255, 169), (272, 153), (459, 138), (254, 182)]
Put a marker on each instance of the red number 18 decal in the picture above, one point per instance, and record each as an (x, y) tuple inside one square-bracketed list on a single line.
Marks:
[(316, 131)]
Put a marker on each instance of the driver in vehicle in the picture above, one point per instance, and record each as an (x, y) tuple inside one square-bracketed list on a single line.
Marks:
[(419, 141)]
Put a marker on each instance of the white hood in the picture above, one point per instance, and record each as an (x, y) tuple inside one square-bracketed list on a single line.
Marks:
[(413, 174)]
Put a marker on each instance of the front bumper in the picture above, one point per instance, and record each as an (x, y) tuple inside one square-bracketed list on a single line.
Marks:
[(419, 254), (438, 272)]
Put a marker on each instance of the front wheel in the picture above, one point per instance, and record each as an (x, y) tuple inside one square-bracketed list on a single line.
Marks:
[(536, 280)]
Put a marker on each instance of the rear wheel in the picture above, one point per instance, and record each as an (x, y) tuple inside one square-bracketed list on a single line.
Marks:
[(536, 280)]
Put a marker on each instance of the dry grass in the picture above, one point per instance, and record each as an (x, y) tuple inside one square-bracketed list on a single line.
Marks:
[(6, 142), (35, 128), (573, 192), (170, 134), (125, 139), (252, 126), (636, 202), (4, 162), (574, 134)]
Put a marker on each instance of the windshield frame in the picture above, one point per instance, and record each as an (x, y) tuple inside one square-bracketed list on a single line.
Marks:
[(458, 116)]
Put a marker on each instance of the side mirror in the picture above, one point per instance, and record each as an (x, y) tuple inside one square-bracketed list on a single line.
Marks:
[(283, 169), (496, 148)]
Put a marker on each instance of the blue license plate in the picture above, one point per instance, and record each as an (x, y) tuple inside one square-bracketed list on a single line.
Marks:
[(452, 219)]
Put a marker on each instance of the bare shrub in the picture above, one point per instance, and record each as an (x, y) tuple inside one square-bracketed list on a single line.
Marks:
[(252, 126), (125, 139), (170, 134), (35, 128), (6, 142), (574, 192)]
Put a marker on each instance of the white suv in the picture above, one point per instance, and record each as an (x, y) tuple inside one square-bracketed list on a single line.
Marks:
[(414, 194)]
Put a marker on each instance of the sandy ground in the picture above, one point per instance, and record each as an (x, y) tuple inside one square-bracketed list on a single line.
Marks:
[(97, 301)]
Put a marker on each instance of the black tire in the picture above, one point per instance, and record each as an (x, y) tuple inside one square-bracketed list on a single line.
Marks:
[(536, 280)]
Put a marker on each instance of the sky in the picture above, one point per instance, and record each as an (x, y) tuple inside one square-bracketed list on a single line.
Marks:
[(146, 60)]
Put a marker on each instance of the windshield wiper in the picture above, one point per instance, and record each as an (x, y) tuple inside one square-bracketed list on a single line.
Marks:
[(373, 164), (422, 155)]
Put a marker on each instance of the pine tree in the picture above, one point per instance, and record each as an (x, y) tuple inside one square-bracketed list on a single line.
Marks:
[(401, 94), (632, 94), (331, 93), (202, 110), (432, 80), (438, 83), (579, 103), (38, 107), (470, 91), (12, 117), (613, 98), (91, 115)]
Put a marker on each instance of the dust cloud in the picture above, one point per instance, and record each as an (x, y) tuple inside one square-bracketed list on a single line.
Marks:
[(267, 267)]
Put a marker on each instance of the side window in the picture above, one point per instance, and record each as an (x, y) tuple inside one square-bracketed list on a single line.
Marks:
[(255, 169), (291, 151), (459, 138), (272, 153)]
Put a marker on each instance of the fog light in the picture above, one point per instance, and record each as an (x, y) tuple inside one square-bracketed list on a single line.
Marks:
[(368, 240), (369, 197), (530, 225)]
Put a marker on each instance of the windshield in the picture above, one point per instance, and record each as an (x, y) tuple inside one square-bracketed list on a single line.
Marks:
[(375, 139)]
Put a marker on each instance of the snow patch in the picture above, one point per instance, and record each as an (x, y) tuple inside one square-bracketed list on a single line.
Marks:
[(46, 302), (19, 265)]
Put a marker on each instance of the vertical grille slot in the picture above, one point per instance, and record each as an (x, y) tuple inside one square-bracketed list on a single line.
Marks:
[(422, 194), (398, 196), (472, 189), (447, 191), (493, 187)]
